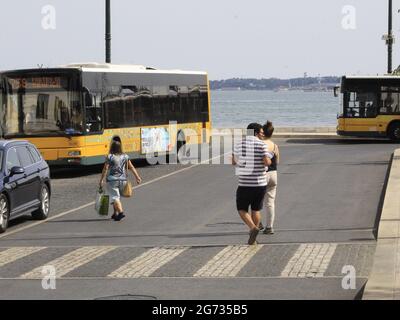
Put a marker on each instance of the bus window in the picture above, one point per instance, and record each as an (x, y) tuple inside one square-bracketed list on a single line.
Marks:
[(113, 116), (2, 105), (390, 101), (35, 103), (360, 105), (93, 113)]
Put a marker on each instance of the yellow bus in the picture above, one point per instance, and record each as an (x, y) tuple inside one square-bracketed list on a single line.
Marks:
[(72, 113), (370, 107)]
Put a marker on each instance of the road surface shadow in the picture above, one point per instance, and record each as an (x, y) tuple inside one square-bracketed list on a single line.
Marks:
[(20, 220)]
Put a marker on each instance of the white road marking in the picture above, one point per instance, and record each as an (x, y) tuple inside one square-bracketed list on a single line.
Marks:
[(9, 233), (147, 263), (14, 254), (70, 261), (228, 262), (310, 260)]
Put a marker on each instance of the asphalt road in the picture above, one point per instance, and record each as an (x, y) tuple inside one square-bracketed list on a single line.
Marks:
[(182, 238)]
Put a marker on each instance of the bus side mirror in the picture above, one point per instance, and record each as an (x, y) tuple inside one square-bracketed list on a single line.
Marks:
[(335, 91)]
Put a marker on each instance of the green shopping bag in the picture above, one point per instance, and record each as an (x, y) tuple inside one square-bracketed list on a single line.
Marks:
[(102, 203)]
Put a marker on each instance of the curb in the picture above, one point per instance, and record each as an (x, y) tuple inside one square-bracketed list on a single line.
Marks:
[(306, 135), (384, 280)]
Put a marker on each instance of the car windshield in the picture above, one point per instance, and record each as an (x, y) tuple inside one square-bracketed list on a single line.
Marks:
[(42, 105)]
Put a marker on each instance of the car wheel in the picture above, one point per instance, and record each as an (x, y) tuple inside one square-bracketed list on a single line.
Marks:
[(4, 213), (394, 132), (43, 212)]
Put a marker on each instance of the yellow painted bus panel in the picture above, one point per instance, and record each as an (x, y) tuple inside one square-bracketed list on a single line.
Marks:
[(379, 124), (55, 148)]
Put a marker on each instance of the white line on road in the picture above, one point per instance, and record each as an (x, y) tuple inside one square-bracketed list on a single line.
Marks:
[(310, 260), (70, 261), (228, 262), (14, 254), (147, 263), (9, 233)]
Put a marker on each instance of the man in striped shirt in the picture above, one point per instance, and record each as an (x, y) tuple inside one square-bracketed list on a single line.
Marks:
[(251, 158)]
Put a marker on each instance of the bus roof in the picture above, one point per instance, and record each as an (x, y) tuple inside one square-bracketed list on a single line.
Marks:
[(124, 68), (105, 67)]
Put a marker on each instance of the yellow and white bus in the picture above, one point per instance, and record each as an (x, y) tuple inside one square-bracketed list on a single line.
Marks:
[(72, 113), (370, 107)]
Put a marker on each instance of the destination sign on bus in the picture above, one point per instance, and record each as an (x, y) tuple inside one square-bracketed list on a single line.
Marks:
[(36, 83)]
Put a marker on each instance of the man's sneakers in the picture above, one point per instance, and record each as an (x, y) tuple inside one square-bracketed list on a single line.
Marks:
[(253, 236), (268, 231)]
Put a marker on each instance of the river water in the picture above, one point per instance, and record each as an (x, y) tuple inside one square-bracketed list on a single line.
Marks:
[(238, 108)]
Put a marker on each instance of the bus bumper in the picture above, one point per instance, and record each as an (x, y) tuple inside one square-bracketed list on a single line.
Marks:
[(78, 161)]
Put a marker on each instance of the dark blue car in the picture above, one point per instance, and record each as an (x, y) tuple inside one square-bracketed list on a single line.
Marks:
[(24, 182)]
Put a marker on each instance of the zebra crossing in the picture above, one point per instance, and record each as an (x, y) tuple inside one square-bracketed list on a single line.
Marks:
[(313, 260)]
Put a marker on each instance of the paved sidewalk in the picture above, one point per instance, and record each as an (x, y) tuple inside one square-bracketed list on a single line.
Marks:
[(384, 281)]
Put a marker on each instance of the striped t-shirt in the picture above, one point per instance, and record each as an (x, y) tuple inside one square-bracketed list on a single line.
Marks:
[(249, 154)]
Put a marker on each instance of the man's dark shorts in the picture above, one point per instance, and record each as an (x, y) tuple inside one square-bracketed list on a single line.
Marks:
[(250, 196)]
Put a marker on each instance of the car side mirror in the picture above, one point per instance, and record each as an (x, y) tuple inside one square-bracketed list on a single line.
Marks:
[(16, 170)]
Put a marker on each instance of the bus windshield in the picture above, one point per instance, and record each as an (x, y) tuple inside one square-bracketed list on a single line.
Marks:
[(1, 102), (41, 105)]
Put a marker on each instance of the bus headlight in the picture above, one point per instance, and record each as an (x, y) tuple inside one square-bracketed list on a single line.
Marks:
[(74, 153)]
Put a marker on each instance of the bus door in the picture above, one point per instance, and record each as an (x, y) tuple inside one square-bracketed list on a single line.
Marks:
[(93, 112), (2, 105)]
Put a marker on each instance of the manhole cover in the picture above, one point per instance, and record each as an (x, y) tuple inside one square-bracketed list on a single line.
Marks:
[(128, 297)]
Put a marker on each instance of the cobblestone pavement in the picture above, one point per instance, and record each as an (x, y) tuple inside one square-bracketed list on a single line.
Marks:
[(280, 261)]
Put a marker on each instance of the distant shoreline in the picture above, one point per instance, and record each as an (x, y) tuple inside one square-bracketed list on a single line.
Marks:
[(273, 84), (273, 90)]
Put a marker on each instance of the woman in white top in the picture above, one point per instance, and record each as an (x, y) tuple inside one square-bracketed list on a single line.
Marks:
[(272, 176)]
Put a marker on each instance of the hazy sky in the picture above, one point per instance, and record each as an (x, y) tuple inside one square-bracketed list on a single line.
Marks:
[(226, 38)]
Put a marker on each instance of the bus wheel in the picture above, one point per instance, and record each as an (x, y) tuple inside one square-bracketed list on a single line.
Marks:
[(394, 132)]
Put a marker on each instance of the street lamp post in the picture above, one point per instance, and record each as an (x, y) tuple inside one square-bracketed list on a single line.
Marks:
[(390, 38), (108, 31)]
